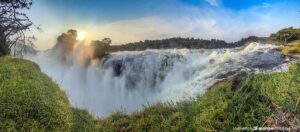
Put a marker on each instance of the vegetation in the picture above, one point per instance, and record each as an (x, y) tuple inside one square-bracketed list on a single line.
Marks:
[(292, 48), (285, 36), (189, 43), (101, 47), (13, 25), (259, 102), (66, 42), (30, 102), (289, 38)]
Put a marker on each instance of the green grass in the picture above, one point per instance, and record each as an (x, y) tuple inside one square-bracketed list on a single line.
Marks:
[(221, 108), (30, 101), (283, 89)]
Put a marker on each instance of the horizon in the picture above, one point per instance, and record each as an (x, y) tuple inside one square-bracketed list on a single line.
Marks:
[(149, 65), (133, 21)]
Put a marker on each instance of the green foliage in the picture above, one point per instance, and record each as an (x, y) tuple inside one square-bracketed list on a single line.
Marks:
[(285, 35), (66, 41), (82, 121), (206, 109), (189, 43), (30, 101), (101, 47), (220, 108)]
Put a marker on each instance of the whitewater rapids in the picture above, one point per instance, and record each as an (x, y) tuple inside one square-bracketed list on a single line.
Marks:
[(127, 81)]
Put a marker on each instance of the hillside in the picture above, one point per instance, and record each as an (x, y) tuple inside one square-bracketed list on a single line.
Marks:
[(31, 101)]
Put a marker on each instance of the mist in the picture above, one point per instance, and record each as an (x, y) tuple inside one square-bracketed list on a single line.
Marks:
[(127, 81)]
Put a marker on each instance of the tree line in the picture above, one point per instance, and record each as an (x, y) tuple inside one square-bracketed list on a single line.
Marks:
[(66, 41), (14, 23), (178, 42), (285, 35)]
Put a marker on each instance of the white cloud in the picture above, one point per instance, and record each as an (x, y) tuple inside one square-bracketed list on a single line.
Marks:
[(191, 21), (199, 23), (158, 28), (265, 5), (213, 2)]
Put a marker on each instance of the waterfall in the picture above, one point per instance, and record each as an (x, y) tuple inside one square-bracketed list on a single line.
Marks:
[(128, 80)]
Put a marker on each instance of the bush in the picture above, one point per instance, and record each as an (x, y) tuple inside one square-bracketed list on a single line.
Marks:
[(285, 35)]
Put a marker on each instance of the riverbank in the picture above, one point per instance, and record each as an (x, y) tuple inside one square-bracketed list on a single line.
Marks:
[(292, 50), (31, 101), (263, 100)]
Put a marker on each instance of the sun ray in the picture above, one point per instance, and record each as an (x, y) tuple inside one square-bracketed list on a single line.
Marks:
[(81, 35)]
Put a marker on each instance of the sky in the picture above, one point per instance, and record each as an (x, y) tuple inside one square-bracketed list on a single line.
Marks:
[(134, 20)]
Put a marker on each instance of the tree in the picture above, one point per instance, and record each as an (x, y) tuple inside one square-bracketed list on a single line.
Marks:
[(13, 25), (286, 35), (66, 41), (65, 44), (101, 47)]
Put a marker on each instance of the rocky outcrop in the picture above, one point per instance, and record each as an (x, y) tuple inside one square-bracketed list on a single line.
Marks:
[(235, 78)]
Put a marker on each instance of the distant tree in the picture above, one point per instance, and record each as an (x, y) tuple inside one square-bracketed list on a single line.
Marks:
[(101, 48), (177, 42), (13, 25), (65, 43), (286, 35)]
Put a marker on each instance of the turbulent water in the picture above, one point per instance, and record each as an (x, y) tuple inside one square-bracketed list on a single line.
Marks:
[(129, 80)]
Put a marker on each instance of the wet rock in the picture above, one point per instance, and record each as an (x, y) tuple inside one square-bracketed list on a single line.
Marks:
[(211, 61), (239, 79), (118, 68), (235, 78), (265, 60), (227, 74)]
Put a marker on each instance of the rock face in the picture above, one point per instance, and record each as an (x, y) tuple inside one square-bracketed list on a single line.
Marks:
[(265, 59), (238, 80)]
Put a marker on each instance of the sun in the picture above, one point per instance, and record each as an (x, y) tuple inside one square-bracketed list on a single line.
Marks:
[(80, 35)]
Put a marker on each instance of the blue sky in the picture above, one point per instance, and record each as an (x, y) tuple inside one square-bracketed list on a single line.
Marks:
[(134, 20)]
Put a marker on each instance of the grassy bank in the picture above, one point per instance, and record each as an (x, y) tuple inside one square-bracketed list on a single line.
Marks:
[(263, 100), (29, 100), (291, 48)]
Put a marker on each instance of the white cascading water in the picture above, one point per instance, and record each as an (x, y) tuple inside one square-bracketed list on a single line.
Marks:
[(129, 80)]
